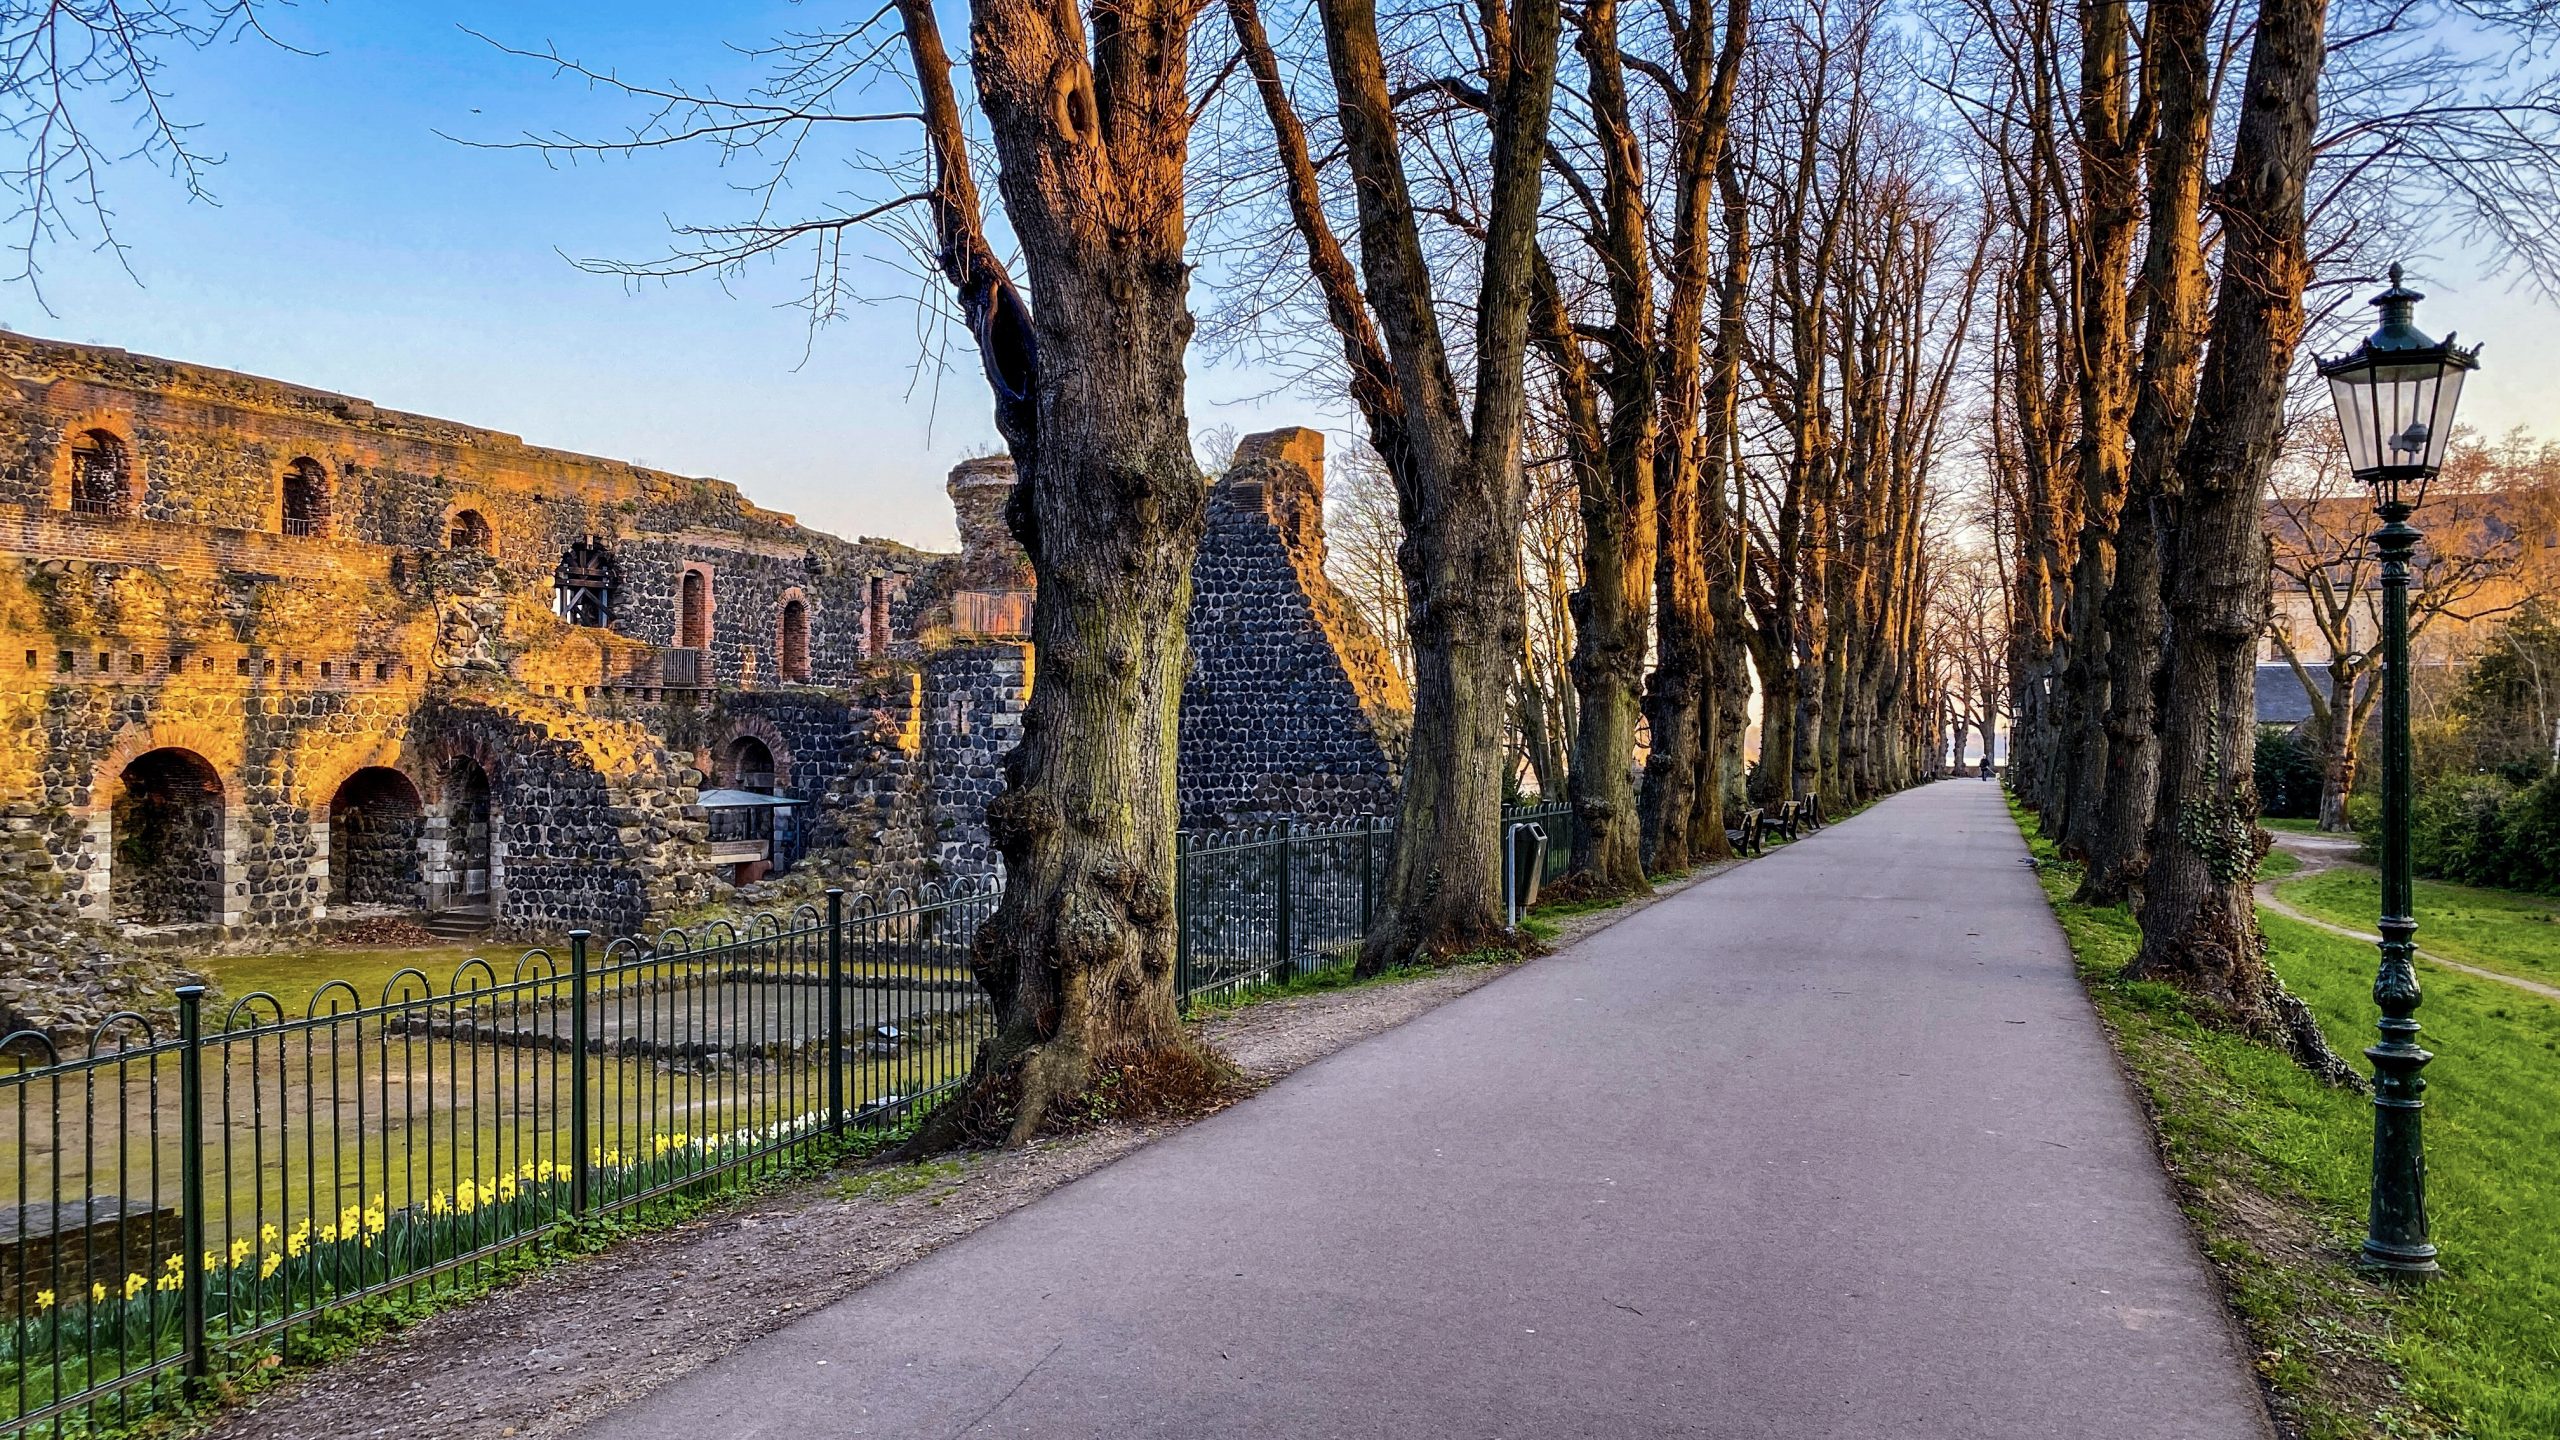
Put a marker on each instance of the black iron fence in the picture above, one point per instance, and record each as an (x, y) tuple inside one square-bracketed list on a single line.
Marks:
[(172, 1194)]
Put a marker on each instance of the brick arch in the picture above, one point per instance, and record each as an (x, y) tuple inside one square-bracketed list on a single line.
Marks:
[(317, 780), (93, 887), (310, 468), (440, 753), (753, 727), (120, 424), (686, 632), (474, 504), (131, 742)]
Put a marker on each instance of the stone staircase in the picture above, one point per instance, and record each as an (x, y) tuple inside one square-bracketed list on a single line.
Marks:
[(461, 922)]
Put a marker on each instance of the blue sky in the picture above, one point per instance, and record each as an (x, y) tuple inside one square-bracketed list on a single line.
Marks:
[(353, 249)]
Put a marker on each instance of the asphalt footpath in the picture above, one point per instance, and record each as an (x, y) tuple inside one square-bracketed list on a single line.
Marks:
[(1828, 1147)]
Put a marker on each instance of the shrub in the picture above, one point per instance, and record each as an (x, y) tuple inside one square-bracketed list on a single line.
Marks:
[(2364, 816), (2455, 829), (2529, 838), (2289, 774)]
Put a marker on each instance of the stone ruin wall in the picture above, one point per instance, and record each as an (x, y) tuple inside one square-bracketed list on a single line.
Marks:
[(1292, 706), (188, 648), (278, 665)]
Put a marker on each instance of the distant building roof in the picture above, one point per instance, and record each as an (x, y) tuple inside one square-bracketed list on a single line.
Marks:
[(2280, 697)]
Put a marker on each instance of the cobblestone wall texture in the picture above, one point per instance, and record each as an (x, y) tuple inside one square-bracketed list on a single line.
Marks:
[(247, 625), (1292, 706), (170, 606)]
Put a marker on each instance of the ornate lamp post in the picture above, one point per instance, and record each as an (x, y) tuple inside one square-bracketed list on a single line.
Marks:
[(2395, 395)]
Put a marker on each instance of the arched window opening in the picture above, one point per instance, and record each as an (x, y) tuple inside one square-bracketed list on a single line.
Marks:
[(375, 821), (693, 611), (470, 532), (166, 830), (306, 499), (795, 640), (583, 585), (101, 475), (750, 765), (876, 618)]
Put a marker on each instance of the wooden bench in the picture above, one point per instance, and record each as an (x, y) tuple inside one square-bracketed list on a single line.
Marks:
[(1785, 819), (1747, 840)]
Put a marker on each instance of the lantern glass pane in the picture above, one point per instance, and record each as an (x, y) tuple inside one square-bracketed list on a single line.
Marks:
[(2352, 394), (2448, 395)]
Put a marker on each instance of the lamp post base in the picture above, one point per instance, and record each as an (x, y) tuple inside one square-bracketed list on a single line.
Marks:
[(2410, 1264)]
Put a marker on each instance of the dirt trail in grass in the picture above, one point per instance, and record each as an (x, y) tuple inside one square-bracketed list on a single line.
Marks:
[(2319, 853)]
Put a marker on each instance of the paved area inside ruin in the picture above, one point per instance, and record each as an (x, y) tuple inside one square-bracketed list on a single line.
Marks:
[(1828, 1147)]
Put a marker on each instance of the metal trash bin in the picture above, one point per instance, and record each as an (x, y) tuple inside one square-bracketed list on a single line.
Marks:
[(1524, 868)]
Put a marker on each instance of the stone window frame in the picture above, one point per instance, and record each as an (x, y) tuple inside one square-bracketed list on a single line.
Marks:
[(315, 471), (684, 638), (119, 428), (476, 508), (805, 672)]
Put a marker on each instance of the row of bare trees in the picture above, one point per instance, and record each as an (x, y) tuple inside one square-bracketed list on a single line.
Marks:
[(1650, 316), (2148, 328)]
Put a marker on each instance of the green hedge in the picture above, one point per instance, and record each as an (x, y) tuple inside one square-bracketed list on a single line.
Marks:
[(2482, 830)]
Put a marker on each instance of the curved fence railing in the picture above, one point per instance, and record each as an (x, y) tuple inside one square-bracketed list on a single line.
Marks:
[(169, 1193)]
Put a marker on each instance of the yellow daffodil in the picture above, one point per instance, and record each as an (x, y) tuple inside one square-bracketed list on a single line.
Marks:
[(269, 1264), (44, 1301), (97, 1292), (135, 1285)]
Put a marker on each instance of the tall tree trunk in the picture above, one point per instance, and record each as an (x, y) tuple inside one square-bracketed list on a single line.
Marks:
[(1077, 960), (2179, 78), (1682, 820), (2199, 919), (2110, 175), (1455, 460), (1615, 478)]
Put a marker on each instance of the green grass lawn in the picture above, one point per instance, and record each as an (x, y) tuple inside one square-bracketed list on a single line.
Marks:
[(2278, 863), (2493, 929), (293, 976), (2296, 827), (2274, 1166)]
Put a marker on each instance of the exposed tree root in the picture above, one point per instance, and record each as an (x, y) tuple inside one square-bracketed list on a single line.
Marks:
[(1018, 1093), (2298, 1032)]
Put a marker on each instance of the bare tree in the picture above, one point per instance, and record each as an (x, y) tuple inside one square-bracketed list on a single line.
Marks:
[(1455, 455), (1089, 132), (2319, 537), (2199, 915), (2178, 82), (1365, 536), (74, 73)]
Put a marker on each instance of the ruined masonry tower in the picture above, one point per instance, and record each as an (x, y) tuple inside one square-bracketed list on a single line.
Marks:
[(1292, 706)]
